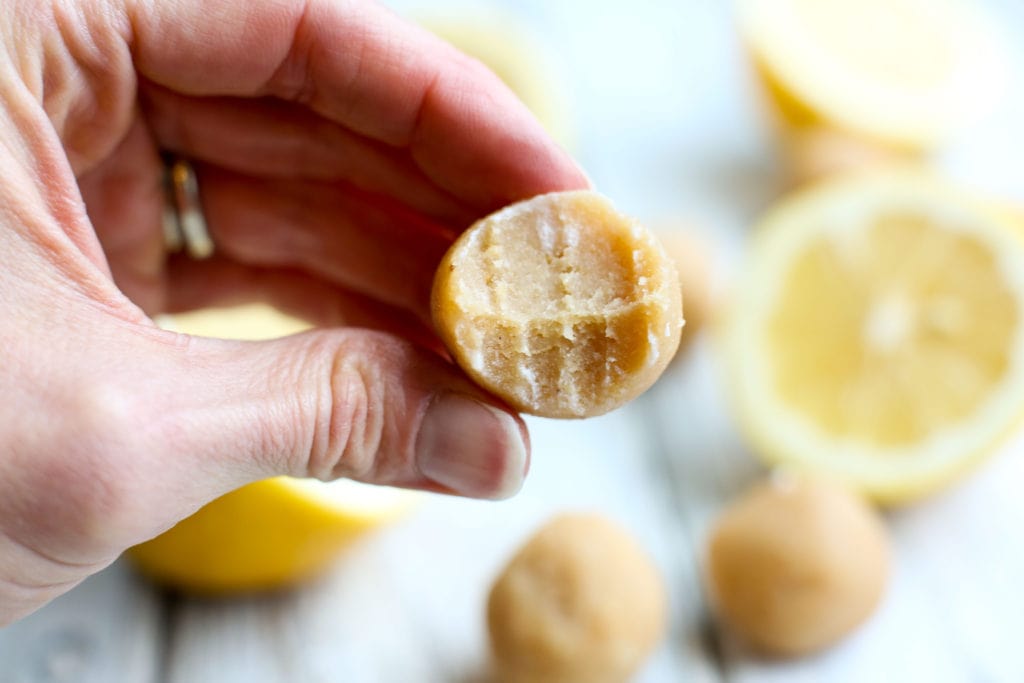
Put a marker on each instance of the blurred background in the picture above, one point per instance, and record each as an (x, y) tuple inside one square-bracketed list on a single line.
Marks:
[(665, 107)]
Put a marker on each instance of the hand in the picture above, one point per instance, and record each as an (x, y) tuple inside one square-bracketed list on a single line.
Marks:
[(338, 150)]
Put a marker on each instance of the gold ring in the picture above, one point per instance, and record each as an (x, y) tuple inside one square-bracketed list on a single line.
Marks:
[(183, 222)]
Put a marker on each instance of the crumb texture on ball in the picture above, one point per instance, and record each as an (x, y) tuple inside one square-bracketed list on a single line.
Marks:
[(560, 305), (796, 564), (581, 602)]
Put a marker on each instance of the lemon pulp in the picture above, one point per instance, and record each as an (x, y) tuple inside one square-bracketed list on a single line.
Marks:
[(878, 334), (905, 333), (907, 73), (899, 41)]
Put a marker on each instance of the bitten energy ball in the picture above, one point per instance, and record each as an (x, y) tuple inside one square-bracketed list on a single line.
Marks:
[(579, 603), (560, 305), (796, 564)]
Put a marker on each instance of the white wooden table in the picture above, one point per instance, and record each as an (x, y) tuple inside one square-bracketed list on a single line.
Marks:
[(667, 126)]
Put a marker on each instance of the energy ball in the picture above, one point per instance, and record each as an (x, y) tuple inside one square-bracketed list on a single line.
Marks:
[(560, 305), (815, 154), (796, 564), (579, 603), (692, 257)]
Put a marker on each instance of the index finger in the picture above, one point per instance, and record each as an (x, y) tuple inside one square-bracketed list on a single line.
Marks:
[(360, 65)]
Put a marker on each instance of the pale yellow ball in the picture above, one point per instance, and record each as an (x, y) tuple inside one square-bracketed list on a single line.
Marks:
[(560, 305), (693, 258), (796, 564), (581, 602), (818, 153)]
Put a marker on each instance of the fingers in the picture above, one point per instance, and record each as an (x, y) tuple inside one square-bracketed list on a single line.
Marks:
[(275, 139), (479, 142), (360, 66), (345, 236), (355, 404)]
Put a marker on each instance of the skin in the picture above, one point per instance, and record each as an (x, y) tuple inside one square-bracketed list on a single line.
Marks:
[(339, 152)]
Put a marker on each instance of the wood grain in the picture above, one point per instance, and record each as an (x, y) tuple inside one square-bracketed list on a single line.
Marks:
[(107, 630)]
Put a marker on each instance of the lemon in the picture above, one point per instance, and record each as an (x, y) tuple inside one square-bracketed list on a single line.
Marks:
[(876, 334), (266, 535), (271, 533), (907, 72), (516, 56), (247, 321)]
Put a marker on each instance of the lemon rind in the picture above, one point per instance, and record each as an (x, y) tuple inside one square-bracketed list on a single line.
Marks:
[(352, 500)]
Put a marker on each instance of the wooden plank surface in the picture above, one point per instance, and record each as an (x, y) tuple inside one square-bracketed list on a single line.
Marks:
[(953, 611), (408, 604), (107, 630)]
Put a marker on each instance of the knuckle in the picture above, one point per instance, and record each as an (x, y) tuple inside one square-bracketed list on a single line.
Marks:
[(349, 421), (80, 491), (109, 421)]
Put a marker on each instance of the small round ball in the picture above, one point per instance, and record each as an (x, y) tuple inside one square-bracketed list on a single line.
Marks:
[(818, 153), (796, 564), (579, 603), (692, 258), (560, 305)]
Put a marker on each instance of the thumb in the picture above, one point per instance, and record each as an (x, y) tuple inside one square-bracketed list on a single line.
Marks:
[(343, 403)]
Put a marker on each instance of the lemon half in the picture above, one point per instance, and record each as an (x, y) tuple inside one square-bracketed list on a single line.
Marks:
[(877, 332), (271, 533), (907, 72)]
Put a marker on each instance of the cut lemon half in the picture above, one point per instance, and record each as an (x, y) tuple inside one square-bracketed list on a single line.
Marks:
[(907, 72), (271, 533), (877, 334)]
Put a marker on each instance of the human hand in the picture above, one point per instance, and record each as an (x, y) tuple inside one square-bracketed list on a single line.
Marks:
[(339, 150)]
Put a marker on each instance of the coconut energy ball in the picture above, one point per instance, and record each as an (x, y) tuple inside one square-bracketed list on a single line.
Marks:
[(560, 305), (579, 603), (797, 563), (692, 257), (815, 154)]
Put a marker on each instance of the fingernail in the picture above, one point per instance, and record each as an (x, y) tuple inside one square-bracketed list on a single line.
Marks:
[(471, 448)]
